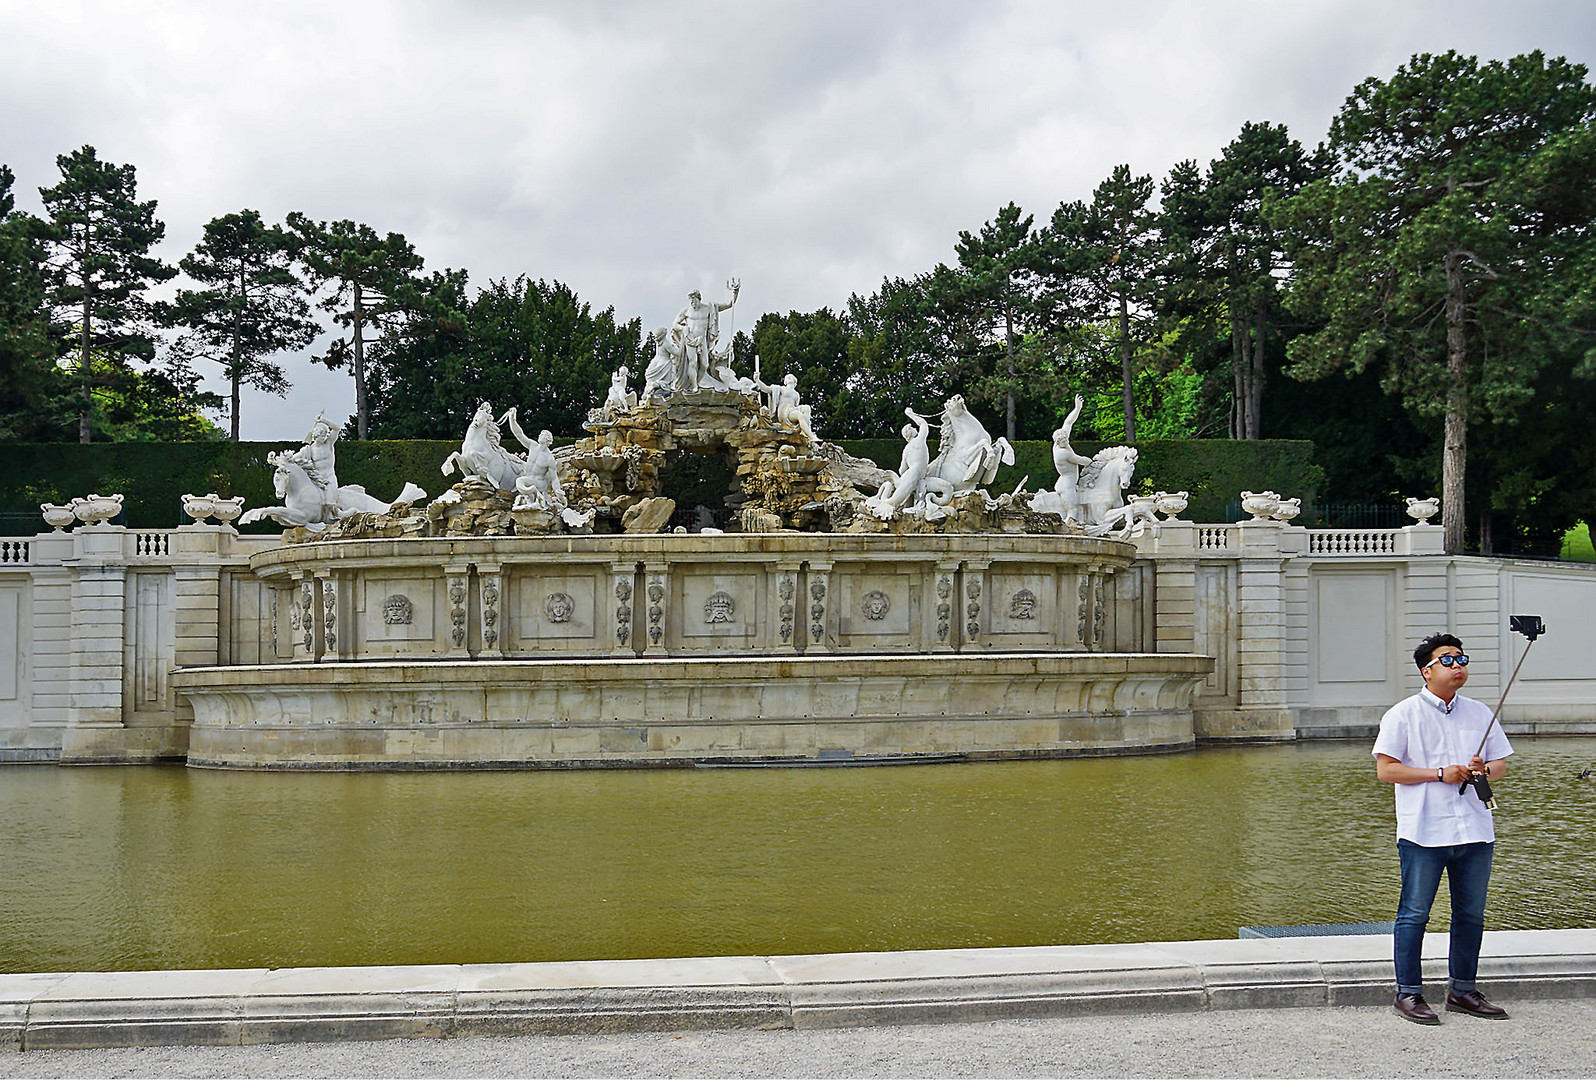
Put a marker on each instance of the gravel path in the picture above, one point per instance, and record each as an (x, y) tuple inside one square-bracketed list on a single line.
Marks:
[(1545, 1038)]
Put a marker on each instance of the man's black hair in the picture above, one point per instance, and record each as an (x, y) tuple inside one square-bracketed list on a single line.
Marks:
[(1427, 647)]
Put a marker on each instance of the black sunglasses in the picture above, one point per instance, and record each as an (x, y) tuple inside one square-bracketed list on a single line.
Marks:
[(1461, 660)]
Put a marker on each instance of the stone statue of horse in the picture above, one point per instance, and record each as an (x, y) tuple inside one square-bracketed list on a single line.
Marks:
[(304, 503), (482, 454), (966, 455), (1102, 485)]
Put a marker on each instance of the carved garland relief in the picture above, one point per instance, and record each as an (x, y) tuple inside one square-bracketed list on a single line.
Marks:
[(623, 611), (786, 590)]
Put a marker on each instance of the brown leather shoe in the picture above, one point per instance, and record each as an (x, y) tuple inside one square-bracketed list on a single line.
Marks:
[(1412, 1007), (1474, 1004)]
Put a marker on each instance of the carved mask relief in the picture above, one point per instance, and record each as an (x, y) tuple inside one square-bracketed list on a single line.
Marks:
[(397, 610), (558, 607), (719, 607)]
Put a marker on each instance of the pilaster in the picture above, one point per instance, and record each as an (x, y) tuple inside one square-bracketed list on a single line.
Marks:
[(822, 632), (657, 594)]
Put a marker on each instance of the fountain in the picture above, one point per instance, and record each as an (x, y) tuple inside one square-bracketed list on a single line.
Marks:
[(535, 615)]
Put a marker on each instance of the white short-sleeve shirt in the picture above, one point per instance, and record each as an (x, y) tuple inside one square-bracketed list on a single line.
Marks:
[(1424, 731)]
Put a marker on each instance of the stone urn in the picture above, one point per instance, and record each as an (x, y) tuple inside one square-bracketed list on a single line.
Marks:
[(57, 517), (1422, 510), (1171, 503), (1288, 509), (1260, 504), (227, 511), (199, 507), (96, 509)]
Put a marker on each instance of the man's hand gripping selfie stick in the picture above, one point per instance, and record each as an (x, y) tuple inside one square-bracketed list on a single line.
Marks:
[(1531, 627)]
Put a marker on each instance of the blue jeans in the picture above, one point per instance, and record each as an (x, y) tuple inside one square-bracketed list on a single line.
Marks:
[(1468, 873)]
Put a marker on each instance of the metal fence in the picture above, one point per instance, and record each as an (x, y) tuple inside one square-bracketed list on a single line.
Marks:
[(1339, 515)]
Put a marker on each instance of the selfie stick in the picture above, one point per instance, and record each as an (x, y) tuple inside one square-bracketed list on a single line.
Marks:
[(1531, 627)]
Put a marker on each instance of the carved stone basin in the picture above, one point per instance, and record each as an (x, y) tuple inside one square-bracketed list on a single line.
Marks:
[(661, 649)]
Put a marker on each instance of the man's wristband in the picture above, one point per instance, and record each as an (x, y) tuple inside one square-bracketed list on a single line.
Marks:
[(1440, 774)]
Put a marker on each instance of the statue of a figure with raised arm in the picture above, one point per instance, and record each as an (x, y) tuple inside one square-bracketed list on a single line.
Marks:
[(784, 405), (1064, 499), (539, 483), (320, 461), (910, 489), (696, 335)]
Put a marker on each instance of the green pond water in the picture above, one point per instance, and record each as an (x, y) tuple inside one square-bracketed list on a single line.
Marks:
[(134, 868)]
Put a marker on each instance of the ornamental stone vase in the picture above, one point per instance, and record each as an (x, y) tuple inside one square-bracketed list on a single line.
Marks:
[(227, 511), (1172, 503), (57, 517), (96, 509), (199, 507), (1422, 510), (1288, 509), (1260, 504)]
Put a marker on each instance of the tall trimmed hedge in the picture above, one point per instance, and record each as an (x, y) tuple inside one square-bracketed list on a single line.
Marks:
[(155, 476)]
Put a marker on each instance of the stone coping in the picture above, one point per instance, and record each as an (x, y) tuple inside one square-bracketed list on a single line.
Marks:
[(444, 670), (260, 1005), (690, 547)]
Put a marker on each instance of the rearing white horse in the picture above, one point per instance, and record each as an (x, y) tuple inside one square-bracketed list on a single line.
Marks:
[(482, 454)]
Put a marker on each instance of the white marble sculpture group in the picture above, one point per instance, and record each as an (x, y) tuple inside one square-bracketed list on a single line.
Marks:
[(693, 363)]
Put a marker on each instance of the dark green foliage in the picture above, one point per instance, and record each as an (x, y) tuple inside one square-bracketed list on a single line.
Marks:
[(1454, 255), (35, 397), (98, 269), (251, 305), (1222, 255), (529, 344), (1103, 263), (996, 290), (698, 480)]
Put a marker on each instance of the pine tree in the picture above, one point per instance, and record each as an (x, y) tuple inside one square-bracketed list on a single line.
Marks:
[(996, 283), (1103, 261), (1456, 252), (254, 304), (99, 267), (375, 276), (32, 391)]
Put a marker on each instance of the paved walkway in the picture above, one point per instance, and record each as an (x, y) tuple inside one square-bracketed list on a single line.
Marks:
[(1287, 1007)]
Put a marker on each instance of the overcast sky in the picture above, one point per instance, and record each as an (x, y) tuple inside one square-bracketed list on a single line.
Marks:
[(637, 150)]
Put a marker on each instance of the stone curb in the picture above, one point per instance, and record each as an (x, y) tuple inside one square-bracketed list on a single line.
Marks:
[(80, 1010)]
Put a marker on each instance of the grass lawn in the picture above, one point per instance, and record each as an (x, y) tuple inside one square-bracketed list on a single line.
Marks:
[(1577, 545)]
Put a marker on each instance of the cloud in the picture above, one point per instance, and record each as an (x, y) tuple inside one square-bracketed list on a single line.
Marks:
[(636, 150)]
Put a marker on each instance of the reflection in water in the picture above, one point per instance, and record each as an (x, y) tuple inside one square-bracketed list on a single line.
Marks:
[(168, 867)]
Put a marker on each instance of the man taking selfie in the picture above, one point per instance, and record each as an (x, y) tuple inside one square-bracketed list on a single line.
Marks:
[(1427, 747)]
